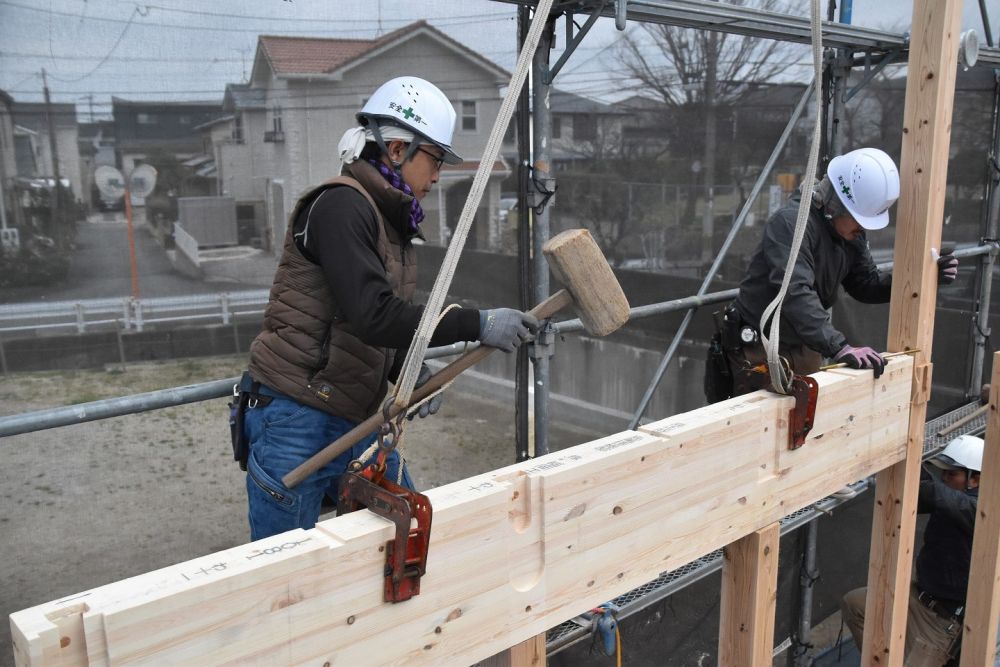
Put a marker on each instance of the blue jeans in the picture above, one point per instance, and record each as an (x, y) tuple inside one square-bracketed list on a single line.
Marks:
[(283, 435)]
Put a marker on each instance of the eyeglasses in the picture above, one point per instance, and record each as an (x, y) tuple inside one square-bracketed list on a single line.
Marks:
[(438, 159)]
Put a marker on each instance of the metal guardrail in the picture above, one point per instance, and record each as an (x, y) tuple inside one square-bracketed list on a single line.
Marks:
[(127, 313)]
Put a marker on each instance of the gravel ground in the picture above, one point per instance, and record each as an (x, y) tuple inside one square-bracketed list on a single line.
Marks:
[(94, 503)]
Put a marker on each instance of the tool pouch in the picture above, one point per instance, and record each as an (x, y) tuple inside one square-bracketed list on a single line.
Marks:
[(246, 396), (718, 379), (237, 412)]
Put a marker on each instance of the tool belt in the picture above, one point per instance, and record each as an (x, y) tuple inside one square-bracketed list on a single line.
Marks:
[(946, 609), (724, 374), (246, 396)]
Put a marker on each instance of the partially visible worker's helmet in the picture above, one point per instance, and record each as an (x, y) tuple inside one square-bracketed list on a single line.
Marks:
[(416, 105), (965, 451), (867, 182)]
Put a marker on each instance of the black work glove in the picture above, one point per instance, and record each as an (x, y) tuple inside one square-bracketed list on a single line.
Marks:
[(505, 328), (861, 357), (430, 407), (947, 267)]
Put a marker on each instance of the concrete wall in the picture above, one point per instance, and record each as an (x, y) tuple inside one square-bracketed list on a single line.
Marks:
[(210, 220)]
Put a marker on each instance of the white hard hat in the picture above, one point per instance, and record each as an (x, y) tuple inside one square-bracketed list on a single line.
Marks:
[(965, 451), (415, 104), (867, 182)]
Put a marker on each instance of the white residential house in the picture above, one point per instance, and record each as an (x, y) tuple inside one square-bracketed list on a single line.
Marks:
[(303, 94), (33, 143)]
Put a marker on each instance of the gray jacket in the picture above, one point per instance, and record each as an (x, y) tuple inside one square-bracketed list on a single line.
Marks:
[(825, 262)]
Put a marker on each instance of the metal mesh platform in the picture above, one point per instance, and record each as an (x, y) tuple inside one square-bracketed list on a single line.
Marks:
[(578, 629)]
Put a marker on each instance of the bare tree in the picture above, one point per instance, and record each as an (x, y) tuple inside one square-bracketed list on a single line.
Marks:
[(693, 73)]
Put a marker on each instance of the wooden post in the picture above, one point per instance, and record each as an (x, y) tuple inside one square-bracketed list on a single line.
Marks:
[(982, 611), (749, 591), (930, 89), (529, 653)]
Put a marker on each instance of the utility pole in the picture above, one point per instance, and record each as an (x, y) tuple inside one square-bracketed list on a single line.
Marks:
[(54, 150)]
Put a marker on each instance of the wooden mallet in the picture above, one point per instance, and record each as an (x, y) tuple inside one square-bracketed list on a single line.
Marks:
[(589, 283)]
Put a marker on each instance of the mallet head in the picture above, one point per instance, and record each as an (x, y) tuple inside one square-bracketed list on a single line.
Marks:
[(580, 266)]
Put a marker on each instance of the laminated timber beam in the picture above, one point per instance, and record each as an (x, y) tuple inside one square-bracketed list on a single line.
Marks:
[(923, 170), (512, 552)]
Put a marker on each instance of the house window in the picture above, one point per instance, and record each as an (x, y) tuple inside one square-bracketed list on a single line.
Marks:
[(469, 115), (276, 118), (557, 127), (145, 119), (184, 120), (584, 127), (238, 128)]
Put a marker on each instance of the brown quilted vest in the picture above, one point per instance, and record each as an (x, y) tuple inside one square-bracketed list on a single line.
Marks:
[(307, 351)]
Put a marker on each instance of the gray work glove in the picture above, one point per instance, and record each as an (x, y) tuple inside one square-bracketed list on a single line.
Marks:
[(505, 328), (430, 407), (861, 357)]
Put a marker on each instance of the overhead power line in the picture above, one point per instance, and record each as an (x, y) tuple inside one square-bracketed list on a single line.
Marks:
[(336, 21), (448, 22)]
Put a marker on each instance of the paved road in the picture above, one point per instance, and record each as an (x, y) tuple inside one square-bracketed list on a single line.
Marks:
[(100, 267)]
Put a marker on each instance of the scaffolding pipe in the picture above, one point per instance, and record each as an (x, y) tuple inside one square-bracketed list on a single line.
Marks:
[(986, 22), (686, 303), (737, 224), (990, 226), (165, 398), (807, 578), (542, 132), (742, 20)]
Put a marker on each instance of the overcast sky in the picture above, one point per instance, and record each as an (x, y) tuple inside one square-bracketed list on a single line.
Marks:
[(190, 49)]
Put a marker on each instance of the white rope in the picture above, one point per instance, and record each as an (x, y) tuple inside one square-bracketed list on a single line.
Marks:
[(780, 377), (422, 338)]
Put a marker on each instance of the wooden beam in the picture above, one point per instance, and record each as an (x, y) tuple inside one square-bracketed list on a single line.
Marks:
[(749, 593), (513, 552), (930, 88), (982, 608)]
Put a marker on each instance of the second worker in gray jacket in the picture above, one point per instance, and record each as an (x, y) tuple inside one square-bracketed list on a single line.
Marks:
[(853, 197)]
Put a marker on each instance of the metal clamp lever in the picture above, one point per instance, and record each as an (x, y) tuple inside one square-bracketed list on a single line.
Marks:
[(805, 390), (406, 554)]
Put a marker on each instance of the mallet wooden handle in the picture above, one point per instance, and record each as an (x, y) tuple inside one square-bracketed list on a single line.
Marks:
[(542, 311)]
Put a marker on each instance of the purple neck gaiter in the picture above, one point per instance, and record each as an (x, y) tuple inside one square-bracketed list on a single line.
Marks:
[(391, 175)]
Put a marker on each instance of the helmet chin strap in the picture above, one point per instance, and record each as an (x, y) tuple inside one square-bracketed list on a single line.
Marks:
[(410, 151)]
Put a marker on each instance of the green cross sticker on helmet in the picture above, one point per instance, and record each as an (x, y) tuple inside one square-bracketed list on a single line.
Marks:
[(416, 105), (867, 184)]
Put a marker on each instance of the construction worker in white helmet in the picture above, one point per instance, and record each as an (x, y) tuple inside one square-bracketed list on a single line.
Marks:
[(340, 315), (853, 198), (937, 595)]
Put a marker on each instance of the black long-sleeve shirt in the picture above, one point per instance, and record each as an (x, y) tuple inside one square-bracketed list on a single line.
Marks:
[(342, 238), (944, 560), (825, 262)]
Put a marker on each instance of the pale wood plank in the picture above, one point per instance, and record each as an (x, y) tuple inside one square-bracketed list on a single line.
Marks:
[(749, 593), (923, 170), (530, 653), (513, 552), (982, 609)]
